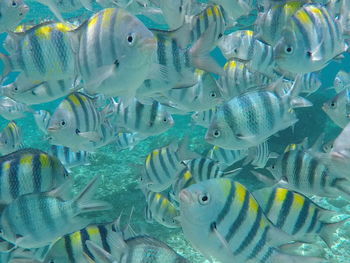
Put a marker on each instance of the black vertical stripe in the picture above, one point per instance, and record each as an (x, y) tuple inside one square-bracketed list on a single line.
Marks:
[(96, 44), (302, 217), (84, 237), (210, 166), (313, 222), (250, 113), (86, 112), (37, 53), (36, 170), (153, 114), (74, 110), (270, 202), (270, 116), (46, 215), (298, 165), (176, 55), (163, 164), (285, 209), (311, 174), (228, 203), (260, 245), (200, 166), (59, 43), (154, 170), (112, 26), (103, 234), (161, 54), (13, 178), (170, 158), (69, 248), (251, 235), (139, 107), (229, 118), (284, 163), (240, 218)]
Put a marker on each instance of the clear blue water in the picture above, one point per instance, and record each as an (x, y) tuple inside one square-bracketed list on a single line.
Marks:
[(120, 170)]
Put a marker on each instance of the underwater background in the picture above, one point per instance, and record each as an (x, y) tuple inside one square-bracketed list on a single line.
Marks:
[(120, 170)]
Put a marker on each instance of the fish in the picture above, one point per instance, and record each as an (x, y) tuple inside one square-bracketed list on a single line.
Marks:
[(338, 108), (222, 220), (40, 54), (148, 119), (162, 165), (11, 14), (160, 209), (244, 46), (27, 171), (70, 247), (239, 79), (40, 93), (68, 157), (302, 170), (127, 140), (204, 95), (227, 157), (297, 215), (13, 110), (119, 60), (310, 83), (42, 120), (46, 216), (203, 118), (235, 9), (75, 121), (270, 23), (184, 180), (249, 119), (10, 138), (135, 249), (311, 38), (341, 81)]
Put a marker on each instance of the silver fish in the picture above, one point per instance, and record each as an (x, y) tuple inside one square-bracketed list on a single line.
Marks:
[(338, 108), (10, 138)]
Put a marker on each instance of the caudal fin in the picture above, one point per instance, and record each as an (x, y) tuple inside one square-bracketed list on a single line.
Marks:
[(84, 202), (328, 232)]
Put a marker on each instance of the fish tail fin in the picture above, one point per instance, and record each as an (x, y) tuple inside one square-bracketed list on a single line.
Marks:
[(328, 231), (84, 203)]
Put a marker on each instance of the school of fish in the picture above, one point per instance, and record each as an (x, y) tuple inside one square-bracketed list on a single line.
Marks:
[(119, 79)]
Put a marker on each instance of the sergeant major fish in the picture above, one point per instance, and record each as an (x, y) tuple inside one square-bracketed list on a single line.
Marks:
[(223, 221), (29, 171), (43, 217), (10, 138)]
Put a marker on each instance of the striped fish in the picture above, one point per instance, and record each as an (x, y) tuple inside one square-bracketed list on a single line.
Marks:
[(271, 22), (68, 157), (238, 79), (223, 221), (243, 45), (147, 119), (12, 12), (311, 38), (41, 53), (338, 108), (184, 180), (297, 215), (341, 81), (127, 140), (12, 110), (42, 119), (205, 28), (204, 95), (40, 93), (227, 157), (70, 248), (163, 165), (135, 249), (75, 121), (10, 138), (310, 83), (160, 209), (249, 119), (203, 118), (304, 172), (29, 171), (34, 220), (115, 52)]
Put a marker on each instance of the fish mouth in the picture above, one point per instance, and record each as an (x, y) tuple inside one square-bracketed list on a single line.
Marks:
[(185, 196), (52, 129), (208, 137)]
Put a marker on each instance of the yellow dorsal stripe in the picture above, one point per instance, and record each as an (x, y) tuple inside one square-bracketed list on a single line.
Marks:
[(26, 159), (280, 195)]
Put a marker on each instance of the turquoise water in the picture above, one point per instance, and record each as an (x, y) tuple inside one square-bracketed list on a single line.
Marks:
[(120, 170)]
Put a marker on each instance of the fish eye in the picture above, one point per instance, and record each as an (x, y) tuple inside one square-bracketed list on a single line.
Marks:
[(235, 50), (288, 50), (131, 39), (62, 123), (213, 94), (165, 120), (14, 3), (333, 104), (216, 133), (203, 199), (273, 167), (180, 9)]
